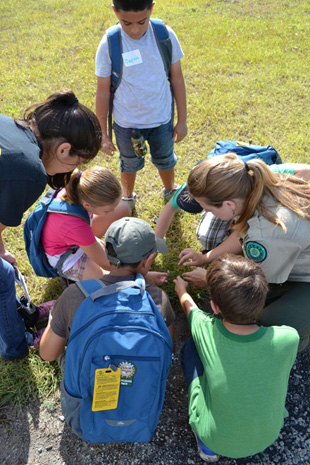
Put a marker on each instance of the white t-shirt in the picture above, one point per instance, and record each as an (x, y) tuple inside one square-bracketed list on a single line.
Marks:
[(143, 98)]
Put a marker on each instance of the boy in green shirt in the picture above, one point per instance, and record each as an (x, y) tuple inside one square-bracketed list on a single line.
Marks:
[(236, 371)]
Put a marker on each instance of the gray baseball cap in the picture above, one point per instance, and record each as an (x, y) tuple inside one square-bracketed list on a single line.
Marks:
[(133, 240)]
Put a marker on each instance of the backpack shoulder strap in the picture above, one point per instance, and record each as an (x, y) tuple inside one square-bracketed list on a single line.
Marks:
[(165, 48), (89, 286), (115, 51), (95, 288), (48, 197), (65, 208), (163, 42)]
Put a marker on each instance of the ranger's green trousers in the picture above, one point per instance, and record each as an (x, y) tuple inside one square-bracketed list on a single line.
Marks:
[(289, 304)]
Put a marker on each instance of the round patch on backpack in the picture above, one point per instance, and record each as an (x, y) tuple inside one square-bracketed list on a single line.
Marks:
[(128, 371), (255, 251)]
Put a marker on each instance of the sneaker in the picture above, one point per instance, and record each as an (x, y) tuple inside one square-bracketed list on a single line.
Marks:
[(37, 335), (206, 454), (45, 309), (131, 201), (167, 195)]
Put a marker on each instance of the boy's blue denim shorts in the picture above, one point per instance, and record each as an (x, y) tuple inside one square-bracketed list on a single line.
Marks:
[(161, 144)]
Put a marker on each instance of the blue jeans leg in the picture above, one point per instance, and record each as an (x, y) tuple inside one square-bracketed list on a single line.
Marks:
[(193, 368), (13, 343), (190, 361)]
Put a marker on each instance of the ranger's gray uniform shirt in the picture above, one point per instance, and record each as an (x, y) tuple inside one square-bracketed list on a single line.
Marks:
[(282, 256)]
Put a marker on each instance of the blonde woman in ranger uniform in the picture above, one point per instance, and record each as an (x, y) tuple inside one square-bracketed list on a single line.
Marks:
[(272, 212)]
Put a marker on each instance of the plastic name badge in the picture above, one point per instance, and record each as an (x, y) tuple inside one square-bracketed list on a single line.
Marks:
[(106, 389)]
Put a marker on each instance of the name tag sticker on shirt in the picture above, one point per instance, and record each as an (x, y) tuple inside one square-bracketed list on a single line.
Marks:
[(132, 58), (255, 251), (106, 389)]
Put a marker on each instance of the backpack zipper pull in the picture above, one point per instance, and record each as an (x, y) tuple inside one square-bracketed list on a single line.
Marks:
[(107, 358)]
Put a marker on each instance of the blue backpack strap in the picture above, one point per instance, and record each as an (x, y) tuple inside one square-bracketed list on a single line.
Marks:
[(89, 286), (48, 197), (115, 51), (163, 42), (165, 47), (95, 288), (65, 208)]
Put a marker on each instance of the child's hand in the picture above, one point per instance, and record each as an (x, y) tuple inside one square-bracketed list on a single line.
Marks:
[(188, 254), (180, 131), (8, 257), (107, 145), (156, 277), (197, 277), (180, 286)]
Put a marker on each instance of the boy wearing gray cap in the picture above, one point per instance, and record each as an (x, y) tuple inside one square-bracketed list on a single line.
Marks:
[(131, 247)]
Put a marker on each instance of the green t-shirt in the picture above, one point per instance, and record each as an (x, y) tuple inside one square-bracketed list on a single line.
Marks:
[(237, 406)]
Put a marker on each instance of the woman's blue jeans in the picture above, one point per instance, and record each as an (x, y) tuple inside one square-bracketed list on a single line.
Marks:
[(13, 342)]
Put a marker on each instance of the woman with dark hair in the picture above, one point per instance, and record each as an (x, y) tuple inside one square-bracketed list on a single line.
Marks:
[(272, 227), (54, 137)]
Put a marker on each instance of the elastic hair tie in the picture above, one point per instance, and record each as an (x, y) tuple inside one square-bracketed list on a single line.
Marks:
[(79, 174), (246, 166)]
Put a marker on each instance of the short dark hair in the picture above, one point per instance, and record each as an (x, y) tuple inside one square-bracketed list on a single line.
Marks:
[(132, 5), (238, 286), (112, 253)]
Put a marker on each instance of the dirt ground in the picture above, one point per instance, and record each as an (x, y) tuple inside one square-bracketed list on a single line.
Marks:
[(36, 436)]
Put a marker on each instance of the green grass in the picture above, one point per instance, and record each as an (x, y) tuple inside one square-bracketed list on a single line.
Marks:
[(246, 69)]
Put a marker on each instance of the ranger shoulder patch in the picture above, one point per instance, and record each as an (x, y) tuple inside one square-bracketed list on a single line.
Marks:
[(255, 251)]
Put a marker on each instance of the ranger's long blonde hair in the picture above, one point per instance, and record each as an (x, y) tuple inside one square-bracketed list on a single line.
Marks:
[(227, 177)]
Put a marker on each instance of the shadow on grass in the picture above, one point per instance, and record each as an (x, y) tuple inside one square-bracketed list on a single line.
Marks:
[(17, 389), (177, 239)]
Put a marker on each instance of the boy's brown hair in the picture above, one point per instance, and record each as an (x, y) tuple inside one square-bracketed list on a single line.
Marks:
[(238, 286)]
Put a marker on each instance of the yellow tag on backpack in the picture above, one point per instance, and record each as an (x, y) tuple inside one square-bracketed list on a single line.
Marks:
[(106, 389)]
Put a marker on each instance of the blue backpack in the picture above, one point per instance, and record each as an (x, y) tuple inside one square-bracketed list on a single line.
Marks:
[(115, 49), (247, 152), (33, 229), (116, 331)]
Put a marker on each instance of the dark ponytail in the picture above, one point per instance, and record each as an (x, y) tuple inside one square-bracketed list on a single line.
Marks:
[(61, 117)]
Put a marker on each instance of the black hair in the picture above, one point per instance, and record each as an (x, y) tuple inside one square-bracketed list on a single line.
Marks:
[(132, 5), (59, 180), (62, 118)]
